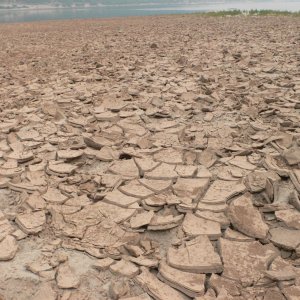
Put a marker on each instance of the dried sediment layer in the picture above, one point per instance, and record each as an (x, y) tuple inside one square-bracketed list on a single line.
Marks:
[(150, 157)]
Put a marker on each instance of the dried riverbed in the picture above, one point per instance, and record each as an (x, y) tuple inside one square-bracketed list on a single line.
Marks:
[(152, 157)]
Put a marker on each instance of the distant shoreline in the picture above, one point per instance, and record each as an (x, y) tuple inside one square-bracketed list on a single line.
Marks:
[(42, 7), (48, 13), (213, 15), (86, 6), (229, 12)]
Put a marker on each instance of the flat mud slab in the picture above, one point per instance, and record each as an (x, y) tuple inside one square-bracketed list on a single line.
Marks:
[(150, 158)]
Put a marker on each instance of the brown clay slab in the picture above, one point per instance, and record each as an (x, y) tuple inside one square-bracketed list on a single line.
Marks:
[(156, 288), (221, 191), (197, 256), (246, 218), (8, 248), (190, 284), (193, 226), (245, 262), (190, 187)]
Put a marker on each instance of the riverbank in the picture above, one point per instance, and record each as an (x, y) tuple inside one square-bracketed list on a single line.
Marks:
[(47, 12), (150, 156), (252, 12)]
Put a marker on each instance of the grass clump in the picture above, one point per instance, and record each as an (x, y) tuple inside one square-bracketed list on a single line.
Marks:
[(253, 12)]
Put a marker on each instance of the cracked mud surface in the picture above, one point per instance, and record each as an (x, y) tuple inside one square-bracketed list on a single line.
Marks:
[(150, 158)]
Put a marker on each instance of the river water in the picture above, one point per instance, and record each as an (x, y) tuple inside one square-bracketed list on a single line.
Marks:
[(108, 11)]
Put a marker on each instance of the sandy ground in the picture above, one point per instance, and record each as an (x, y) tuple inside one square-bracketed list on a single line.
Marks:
[(153, 157)]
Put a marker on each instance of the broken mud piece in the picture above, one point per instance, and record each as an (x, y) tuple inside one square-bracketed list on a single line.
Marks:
[(107, 234), (242, 162), (246, 262), (135, 189), (292, 292), (134, 250), (115, 213), (45, 292), (103, 264), (290, 217), (164, 222), (66, 277), (120, 199), (111, 180), (203, 172), (191, 187), (162, 172), (60, 168), (246, 218), (285, 238), (24, 187), (292, 155), (222, 207), (80, 201), (224, 173), (114, 105), (20, 157), (233, 235), (5, 227), (37, 178), (156, 288), (196, 256), (143, 296), (141, 219), (9, 163), (144, 261), (185, 205), (32, 222), (54, 196), (274, 294), (69, 154), (294, 199), (97, 142), (12, 172), (19, 235), (107, 154), (27, 135), (157, 186), (256, 181), (4, 182), (281, 275), (282, 195), (194, 226), (125, 168), (146, 164), (72, 244), (124, 268), (107, 116), (118, 289), (207, 158), (70, 211), (8, 248), (156, 201), (270, 163), (38, 266), (188, 283), (219, 282), (169, 156), (219, 217), (221, 191), (186, 171)]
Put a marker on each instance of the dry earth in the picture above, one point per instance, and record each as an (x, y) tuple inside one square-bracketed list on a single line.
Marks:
[(152, 157)]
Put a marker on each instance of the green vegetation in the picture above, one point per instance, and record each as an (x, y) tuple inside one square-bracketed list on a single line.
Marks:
[(255, 12)]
